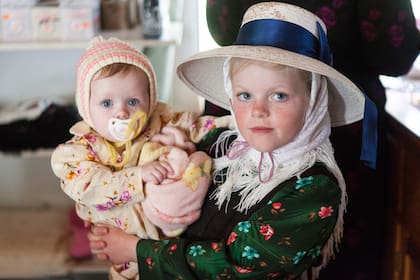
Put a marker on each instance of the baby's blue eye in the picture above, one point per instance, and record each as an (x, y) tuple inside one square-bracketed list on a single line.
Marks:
[(133, 102), (106, 103)]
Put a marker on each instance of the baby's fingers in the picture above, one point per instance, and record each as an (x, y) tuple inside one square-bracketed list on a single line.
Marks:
[(167, 166)]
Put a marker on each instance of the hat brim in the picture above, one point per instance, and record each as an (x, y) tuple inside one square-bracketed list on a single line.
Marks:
[(203, 73)]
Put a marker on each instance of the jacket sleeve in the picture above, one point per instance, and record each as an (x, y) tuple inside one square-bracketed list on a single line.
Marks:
[(197, 126), (87, 181), (280, 240)]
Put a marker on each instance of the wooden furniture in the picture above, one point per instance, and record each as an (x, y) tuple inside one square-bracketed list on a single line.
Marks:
[(402, 261)]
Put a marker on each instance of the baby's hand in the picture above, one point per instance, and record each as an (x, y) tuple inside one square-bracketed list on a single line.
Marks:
[(156, 171)]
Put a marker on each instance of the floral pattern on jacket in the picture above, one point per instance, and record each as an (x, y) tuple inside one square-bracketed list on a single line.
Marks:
[(108, 194), (278, 241)]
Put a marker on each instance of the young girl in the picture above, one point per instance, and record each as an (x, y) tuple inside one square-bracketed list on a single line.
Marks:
[(276, 207), (131, 162), (369, 39)]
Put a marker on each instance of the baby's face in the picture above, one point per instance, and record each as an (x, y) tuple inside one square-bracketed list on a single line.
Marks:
[(269, 104), (117, 97)]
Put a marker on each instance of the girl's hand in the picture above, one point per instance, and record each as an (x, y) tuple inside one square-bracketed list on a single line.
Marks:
[(113, 244)]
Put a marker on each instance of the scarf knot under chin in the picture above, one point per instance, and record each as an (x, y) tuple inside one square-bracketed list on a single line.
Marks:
[(239, 147)]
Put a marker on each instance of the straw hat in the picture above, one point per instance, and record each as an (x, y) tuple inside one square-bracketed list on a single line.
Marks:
[(278, 33)]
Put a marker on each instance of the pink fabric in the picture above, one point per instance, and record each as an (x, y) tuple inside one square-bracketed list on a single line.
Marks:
[(79, 248), (177, 201)]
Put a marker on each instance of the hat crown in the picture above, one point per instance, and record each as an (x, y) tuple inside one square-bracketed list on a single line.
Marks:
[(279, 33), (282, 12)]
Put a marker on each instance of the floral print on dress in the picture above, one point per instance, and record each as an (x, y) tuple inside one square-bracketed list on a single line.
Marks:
[(325, 212), (124, 198), (299, 256), (271, 236), (196, 251), (71, 175), (91, 155), (250, 253), (216, 246), (242, 270), (232, 238), (209, 124), (267, 231), (328, 16), (172, 249), (275, 207), (396, 35), (303, 182), (150, 263), (315, 252), (244, 226), (336, 4), (74, 171), (368, 31)]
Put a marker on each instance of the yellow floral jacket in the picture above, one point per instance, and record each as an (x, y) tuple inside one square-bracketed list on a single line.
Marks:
[(108, 194)]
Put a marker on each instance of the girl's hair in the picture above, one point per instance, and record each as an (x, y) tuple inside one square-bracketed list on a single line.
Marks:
[(114, 68), (237, 64)]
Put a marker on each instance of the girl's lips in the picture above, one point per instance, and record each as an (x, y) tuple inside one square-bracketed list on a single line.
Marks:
[(261, 129)]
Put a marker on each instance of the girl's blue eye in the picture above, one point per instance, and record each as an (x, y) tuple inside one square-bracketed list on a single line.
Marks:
[(279, 96), (244, 96), (133, 102), (107, 103)]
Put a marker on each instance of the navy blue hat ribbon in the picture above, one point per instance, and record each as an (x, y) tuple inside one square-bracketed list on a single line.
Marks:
[(287, 36), (369, 134)]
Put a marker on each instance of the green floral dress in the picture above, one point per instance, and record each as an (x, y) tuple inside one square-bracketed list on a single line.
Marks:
[(279, 238)]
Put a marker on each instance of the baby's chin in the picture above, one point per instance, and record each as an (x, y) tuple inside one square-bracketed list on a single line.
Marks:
[(112, 139)]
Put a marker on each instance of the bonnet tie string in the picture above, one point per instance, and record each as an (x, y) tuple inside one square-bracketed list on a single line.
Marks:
[(239, 147), (270, 175)]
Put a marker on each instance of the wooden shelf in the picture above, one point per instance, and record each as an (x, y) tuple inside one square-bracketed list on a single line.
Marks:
[(172, 35)]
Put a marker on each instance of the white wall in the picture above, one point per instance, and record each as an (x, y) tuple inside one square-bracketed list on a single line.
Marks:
[(184, 99)]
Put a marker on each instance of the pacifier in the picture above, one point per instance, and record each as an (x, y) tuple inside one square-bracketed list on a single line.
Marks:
[(119, 129), (125, 130)]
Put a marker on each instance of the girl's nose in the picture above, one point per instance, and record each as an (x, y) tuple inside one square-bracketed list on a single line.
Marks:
[(259, 110)]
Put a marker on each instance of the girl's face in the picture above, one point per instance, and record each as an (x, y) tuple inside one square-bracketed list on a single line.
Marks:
[(269, 103), (118, 96)]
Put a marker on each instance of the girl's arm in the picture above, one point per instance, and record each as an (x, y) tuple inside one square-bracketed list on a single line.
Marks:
[(282, 239)]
